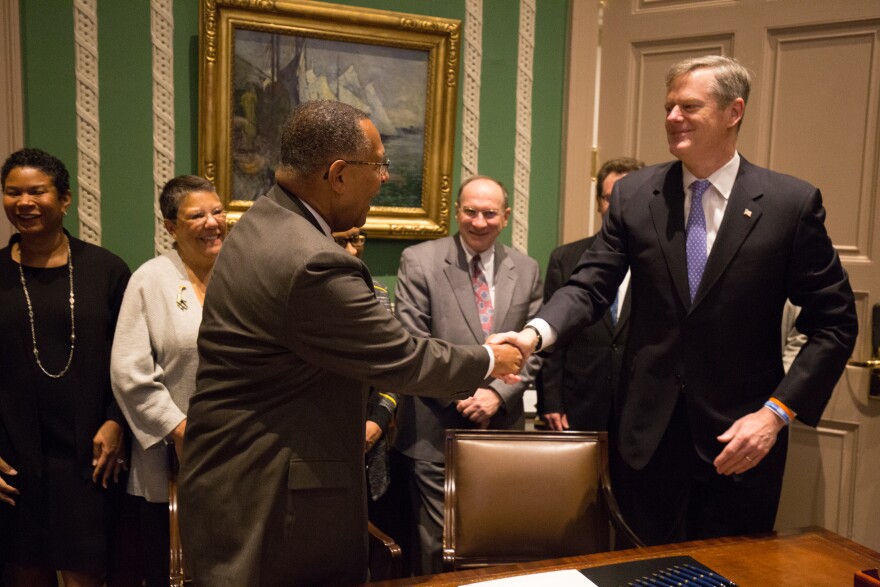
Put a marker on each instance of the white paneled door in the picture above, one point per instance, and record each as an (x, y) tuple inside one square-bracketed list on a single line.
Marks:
[(813, 113)]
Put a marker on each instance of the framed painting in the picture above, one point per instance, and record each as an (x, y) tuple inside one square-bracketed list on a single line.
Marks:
[(260, 59)]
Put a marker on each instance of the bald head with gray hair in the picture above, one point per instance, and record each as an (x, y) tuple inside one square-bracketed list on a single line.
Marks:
[(320, 132)]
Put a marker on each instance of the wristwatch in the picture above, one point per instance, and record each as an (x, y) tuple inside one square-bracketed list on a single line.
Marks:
[(540, 341)]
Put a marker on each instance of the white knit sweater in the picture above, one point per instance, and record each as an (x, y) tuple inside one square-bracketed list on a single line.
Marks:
[(153, 365)]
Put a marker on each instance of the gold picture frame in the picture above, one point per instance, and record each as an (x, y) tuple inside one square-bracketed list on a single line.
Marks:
[(259, 58)]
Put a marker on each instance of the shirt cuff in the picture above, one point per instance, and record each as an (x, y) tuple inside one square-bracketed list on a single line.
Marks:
[(491, 360), (548, 333)]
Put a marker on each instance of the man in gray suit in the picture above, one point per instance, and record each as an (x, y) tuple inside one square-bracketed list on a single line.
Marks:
[(272, 486), (439, 284)]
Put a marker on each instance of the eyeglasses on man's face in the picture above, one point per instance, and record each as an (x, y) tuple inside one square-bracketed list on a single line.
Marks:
[(200, 218), (382, 165), (355, 240), (472, 213)]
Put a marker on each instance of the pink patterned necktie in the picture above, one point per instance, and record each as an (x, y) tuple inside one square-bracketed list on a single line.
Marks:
[(695, 230), (481, 294)]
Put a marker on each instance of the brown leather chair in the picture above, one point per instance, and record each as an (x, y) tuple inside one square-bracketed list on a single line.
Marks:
[(179, 577), (513, 496), (386, 557)]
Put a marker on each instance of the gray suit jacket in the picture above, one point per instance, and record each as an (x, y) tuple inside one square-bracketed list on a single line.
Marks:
[(272, 486), (435, 297)]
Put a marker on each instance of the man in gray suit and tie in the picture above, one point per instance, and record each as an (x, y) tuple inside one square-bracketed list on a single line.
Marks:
[(272, 485), (461, 289)]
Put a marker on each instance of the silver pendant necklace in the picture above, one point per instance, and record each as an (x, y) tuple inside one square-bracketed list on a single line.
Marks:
[(30, 308)]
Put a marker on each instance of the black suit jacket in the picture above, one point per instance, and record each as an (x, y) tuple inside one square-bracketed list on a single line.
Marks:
[(723, 351), (579, 378)]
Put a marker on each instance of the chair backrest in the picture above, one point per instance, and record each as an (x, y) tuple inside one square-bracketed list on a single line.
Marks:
[(514, 496)]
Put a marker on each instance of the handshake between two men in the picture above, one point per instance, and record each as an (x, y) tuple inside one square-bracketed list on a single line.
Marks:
[(512, 349), (512, 346), (510, 356)]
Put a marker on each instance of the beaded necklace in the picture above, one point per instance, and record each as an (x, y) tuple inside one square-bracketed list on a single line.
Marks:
[(27, 298)]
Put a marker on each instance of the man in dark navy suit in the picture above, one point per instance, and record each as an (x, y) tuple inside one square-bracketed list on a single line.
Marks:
[(576, 380), (715, 246)]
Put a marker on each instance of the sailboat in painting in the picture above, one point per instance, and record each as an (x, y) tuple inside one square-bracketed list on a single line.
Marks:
[(274, 73)]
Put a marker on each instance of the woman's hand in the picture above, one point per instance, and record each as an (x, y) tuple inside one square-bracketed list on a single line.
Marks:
[(108, 453), (7, 490)]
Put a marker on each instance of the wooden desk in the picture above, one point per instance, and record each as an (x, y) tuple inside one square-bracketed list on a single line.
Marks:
[(809, 557)]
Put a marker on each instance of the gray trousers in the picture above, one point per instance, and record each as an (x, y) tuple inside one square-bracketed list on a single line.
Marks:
[(426, 480)]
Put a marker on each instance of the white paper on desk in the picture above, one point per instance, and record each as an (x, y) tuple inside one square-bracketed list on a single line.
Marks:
[(569, 578)]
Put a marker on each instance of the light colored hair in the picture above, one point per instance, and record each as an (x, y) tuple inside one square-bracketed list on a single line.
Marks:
[(730, 80)]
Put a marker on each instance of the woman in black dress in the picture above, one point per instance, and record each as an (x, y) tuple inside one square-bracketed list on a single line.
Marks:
[(61, 432)]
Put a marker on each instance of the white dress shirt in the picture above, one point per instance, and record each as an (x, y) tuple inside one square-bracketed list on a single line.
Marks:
[(714, 206), (715, 199)]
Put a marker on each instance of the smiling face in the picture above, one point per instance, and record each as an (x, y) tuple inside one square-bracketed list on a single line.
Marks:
[(481, 214), (700, 132), (32, 202), (199, 229)]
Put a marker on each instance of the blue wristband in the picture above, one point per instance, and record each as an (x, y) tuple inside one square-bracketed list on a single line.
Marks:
[(778, 411)]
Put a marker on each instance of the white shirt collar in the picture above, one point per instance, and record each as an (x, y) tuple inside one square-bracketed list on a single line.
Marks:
[(487, 257), (323, 223), (722, 179)]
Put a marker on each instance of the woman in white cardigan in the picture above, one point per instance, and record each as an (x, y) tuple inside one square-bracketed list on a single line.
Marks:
[(154, 359)]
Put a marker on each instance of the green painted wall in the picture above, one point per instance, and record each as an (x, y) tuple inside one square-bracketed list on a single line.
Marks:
[(126, 116)]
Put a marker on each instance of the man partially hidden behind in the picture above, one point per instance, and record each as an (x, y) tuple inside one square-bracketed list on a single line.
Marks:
[(577, 379), (715, 245), (381, 405), (272, 485)]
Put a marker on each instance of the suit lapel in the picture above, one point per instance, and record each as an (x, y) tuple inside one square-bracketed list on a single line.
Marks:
[(458, 275), (505, 283), (740, 216), (667, 212)]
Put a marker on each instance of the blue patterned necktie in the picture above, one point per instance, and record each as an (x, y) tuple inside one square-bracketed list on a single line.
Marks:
[(696, 236), (482, 296)]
